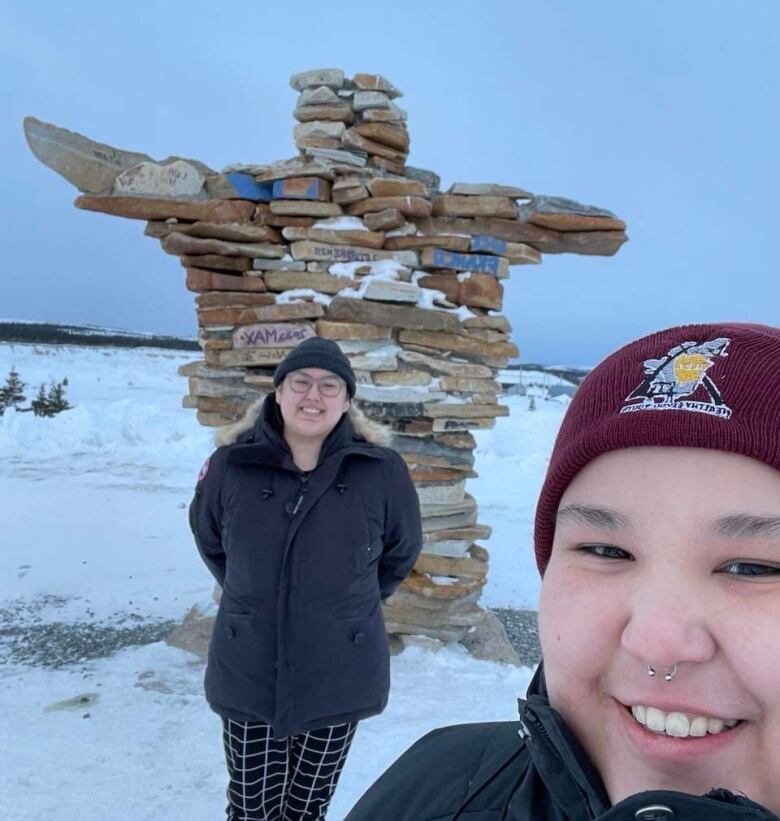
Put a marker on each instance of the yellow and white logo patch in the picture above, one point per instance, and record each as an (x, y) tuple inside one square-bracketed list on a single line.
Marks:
[(679, 374)]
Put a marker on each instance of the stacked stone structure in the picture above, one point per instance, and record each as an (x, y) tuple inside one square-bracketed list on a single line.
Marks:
[(348, 242)]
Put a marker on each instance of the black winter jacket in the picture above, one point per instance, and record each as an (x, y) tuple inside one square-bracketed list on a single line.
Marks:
[(527, 770), (304, 560)]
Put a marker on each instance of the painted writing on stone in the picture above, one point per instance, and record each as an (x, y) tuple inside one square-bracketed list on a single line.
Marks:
[(284, 335), (469, 262), (345, 253), (486, 243), (179, 178)]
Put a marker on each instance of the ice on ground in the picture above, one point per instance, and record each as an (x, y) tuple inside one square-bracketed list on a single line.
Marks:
[(146, 746)]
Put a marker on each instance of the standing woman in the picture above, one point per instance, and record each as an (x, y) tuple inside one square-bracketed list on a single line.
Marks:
[(658, 539), (307, 527)]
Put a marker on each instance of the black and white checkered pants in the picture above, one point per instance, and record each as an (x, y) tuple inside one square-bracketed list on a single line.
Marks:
[(285, 779)]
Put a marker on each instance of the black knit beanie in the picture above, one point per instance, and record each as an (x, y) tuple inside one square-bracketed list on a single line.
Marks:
[(317, 353)]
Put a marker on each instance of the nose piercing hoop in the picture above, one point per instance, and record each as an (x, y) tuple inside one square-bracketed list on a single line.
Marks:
[(668, 675)]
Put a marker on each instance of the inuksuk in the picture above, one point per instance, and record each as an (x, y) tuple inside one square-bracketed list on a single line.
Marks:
[(347, 241)]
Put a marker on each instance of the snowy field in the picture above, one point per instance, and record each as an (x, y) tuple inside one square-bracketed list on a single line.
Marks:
[(93, 530)]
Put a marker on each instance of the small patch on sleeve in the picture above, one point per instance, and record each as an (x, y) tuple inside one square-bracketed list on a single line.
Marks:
[(204, 470)]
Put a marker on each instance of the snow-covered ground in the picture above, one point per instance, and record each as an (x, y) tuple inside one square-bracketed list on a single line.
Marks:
[(93, 528)]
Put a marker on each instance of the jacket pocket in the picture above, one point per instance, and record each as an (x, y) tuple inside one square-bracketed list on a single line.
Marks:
[(368, 555)]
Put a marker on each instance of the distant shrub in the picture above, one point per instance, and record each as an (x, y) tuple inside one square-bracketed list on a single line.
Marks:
[(46, 403), (12, 393)]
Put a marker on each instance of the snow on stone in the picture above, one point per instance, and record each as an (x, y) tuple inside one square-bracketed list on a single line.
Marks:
[(341, 224), (427, 299), (408, 229), (384, 268), (302, 294)]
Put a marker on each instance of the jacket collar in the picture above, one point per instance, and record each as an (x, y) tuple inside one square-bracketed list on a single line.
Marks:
[(265, 443), (563, 765), (576, 787)]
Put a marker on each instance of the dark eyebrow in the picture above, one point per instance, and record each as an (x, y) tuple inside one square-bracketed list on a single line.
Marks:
[(746, 526), (595, 516)]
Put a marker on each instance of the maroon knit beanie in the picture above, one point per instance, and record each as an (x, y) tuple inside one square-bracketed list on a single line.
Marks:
[(705, 386)]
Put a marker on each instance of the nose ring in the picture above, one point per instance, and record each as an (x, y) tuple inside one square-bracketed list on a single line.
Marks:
[(668, 675)]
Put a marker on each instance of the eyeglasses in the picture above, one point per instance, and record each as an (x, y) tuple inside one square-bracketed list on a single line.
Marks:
[(328, 385)]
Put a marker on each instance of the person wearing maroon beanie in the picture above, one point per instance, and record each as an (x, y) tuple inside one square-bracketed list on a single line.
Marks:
[(658, 539)]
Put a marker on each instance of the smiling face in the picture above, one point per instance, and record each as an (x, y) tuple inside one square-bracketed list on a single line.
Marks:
[(309, 416), (667, 556)]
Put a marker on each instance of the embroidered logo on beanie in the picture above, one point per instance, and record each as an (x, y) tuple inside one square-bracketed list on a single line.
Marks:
[(682, 372)]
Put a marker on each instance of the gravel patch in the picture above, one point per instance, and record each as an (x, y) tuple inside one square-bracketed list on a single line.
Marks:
[(25, 638), (523, 631)]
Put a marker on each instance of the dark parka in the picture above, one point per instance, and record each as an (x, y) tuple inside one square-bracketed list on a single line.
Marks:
[(304, 561), (527, 770)]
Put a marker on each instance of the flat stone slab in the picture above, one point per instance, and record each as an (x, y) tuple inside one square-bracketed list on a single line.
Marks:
[(395, 136), (375, 393), (561, 214), (396, 316), (458, 343), (240, 186), (324, 113), (376, 82), (365, 239), (203, 280), (447, 366), (599, 243), (216, 262), (325, 128), (413, 207), (147, 208), (305, 208), (302, 188), (495, 322), (385, 290), (479, 263), (352, 330), (353, 139), (489, 189), (230, 231), (294, 167), (452, 205), (331, 77), (178, 244), (321, 252), (392, 114), (370, 99), (272, 335), (253, 356), (442, 241), (174, 178), (318, 96), (395, 187), (322, 282), (387, 220), (91, 166)]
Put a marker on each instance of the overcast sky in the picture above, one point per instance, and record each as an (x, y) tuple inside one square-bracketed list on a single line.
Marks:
[(663, 111)]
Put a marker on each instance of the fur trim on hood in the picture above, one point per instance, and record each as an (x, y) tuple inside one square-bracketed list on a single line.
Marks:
[(370, 430)]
